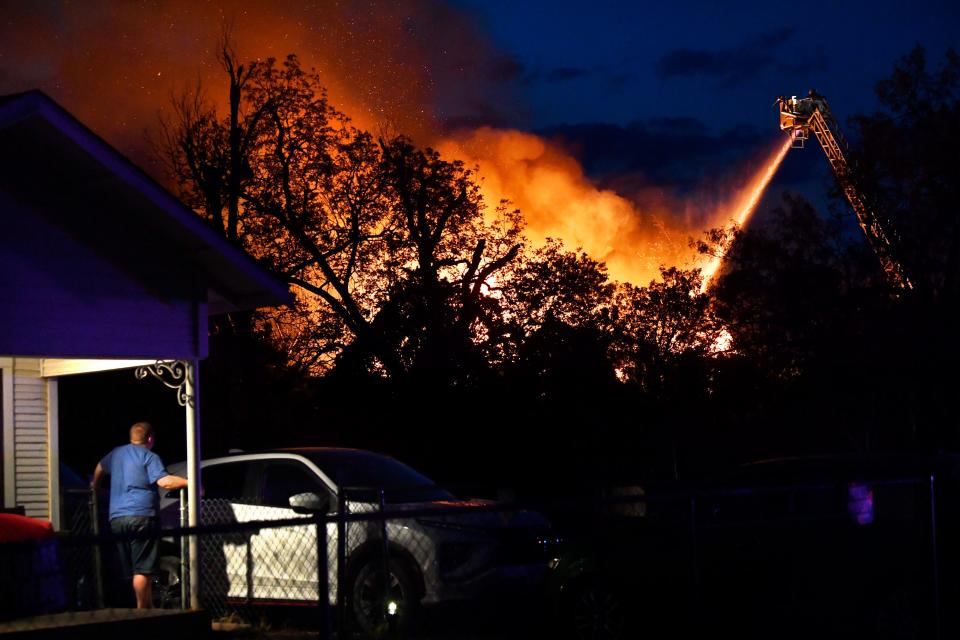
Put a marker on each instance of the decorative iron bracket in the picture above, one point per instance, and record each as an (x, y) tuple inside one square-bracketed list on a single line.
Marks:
[(173, 374)]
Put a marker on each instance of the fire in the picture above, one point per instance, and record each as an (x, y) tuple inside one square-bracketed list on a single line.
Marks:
[(746, 204), (385, 76), (558, 201), (633, 236)]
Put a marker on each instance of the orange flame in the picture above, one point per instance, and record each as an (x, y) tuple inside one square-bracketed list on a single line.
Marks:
[(633, 236), (558, 201)]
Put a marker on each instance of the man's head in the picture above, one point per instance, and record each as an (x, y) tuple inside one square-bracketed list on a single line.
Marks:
[(142, 434)]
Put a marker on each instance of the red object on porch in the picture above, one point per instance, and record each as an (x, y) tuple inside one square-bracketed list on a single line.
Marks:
[(17, 528)]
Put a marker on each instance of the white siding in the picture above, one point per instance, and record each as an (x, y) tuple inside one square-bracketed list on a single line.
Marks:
[(31, 440)]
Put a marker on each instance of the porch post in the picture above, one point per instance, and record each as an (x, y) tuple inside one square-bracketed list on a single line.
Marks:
[(193, 473), (182, 376)]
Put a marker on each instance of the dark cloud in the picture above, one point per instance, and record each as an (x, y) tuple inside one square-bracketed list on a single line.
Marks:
[(481, 118), (503, 69), (563, 74), (480, 113), (772, 38), (616, 75), (729, 65), (817, 65), (678, 125), (621, 79), (677, 153)]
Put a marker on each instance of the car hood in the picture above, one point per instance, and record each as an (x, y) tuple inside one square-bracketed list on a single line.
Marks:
[(480, 514)]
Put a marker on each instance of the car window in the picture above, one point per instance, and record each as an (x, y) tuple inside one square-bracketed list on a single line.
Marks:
[(225, 480), (284, 478), (361, 475)]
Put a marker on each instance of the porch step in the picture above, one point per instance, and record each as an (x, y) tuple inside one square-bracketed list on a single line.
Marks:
[(138, 624)]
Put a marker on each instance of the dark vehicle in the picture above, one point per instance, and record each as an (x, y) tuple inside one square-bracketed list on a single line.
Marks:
[(835, 547), (627, 567)]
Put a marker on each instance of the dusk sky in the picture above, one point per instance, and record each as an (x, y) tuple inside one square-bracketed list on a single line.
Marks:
[(645, 107), (722, 63)]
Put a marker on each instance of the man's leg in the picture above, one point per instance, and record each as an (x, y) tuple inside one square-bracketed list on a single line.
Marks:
[(144, 550), (144, 591), (119, 526)]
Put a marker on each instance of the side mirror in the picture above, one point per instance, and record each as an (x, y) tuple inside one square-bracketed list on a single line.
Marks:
[(309, 503)]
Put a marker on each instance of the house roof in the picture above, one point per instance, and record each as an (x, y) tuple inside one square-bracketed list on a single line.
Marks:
[(75, 180)]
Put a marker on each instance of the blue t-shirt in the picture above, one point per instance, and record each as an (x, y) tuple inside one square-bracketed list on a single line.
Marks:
[(134, 471)]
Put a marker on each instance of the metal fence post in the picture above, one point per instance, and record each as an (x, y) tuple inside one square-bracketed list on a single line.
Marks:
[(323, 577), (184, 555), (342, 563), (191, 390), (385, 603), (935, 556), (97, 560), (695, 559)]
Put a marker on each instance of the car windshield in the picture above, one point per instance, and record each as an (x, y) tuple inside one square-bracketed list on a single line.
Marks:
[(362, 474)]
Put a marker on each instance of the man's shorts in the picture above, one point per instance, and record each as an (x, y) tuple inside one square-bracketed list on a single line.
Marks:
[(138, 555)]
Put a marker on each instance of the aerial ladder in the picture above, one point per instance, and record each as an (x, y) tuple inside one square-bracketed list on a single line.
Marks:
[(799, 118)]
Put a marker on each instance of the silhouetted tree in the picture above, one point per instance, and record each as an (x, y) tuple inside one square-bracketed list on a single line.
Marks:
[(356, 225), (438, 265), (837, 361), (783, 285), (417, 295), (906, 162), (665, 328), (811, 327), (548, 288), (907, 159)]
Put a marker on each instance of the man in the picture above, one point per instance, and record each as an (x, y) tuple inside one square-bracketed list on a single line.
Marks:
[(135, 474)]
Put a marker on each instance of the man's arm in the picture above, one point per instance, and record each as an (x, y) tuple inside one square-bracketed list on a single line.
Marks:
[(172, 483), (156, 472), (97, 477)]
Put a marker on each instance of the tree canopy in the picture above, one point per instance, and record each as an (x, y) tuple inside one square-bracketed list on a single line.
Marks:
[(419, 304)]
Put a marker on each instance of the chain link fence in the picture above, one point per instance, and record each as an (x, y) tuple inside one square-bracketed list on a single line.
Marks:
[(831, 559), (82, 564), (377, 564)]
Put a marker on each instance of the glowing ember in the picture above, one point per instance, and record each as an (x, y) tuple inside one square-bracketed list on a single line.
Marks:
[(723, 343), (746, 206)]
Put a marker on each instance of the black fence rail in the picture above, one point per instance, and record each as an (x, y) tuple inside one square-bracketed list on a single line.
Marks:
[(835, 559)]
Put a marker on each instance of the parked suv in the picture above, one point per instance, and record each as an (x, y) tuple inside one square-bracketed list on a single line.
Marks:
[(466, 549)]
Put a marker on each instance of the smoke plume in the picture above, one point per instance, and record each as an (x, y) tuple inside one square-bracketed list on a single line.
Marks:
[(409, 67)]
